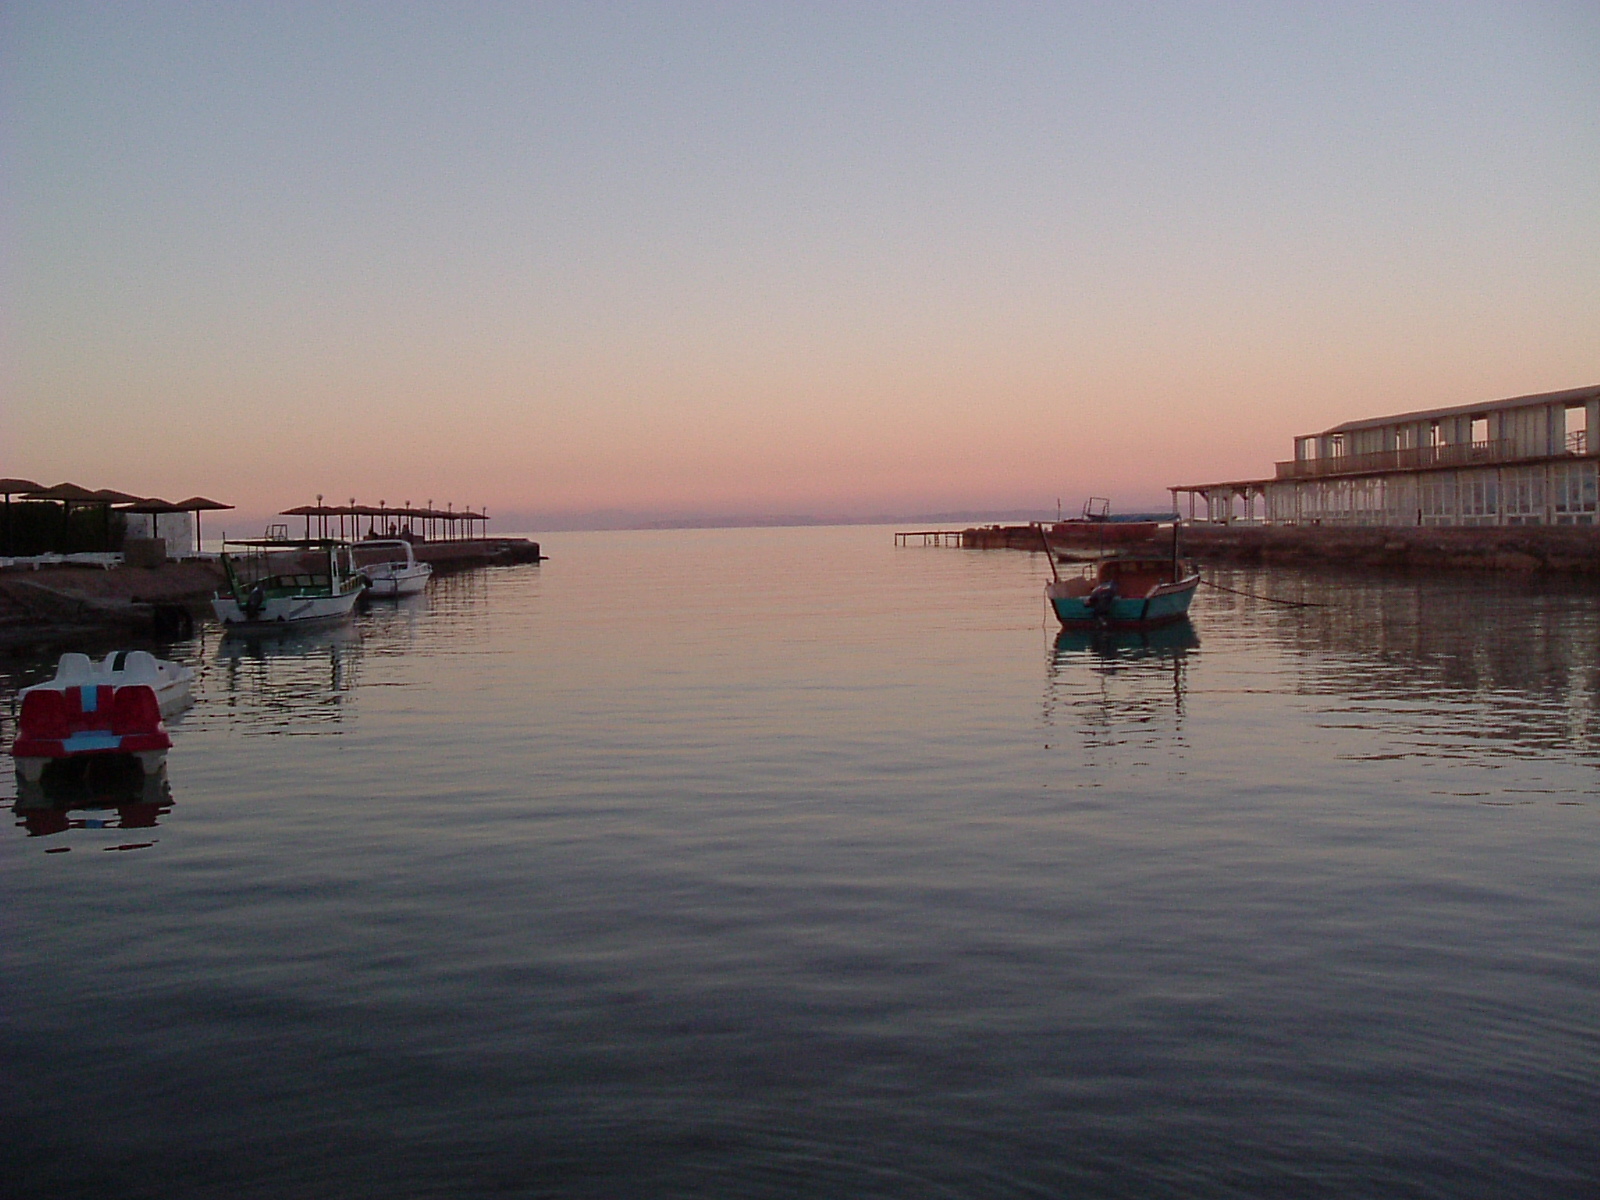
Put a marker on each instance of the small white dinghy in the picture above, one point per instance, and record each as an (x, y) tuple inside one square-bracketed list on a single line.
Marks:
[(391, 566)]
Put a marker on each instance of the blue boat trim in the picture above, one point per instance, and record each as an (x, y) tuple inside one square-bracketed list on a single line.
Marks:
[(1128, 612)]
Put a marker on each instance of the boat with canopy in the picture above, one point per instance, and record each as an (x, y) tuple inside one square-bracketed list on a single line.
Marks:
[(274, 584)]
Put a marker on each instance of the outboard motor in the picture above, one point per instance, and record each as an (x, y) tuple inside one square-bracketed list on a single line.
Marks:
[(1103, 598), (255, 602)]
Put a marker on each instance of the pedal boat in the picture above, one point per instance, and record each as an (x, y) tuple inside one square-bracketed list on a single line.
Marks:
[(92, 709)]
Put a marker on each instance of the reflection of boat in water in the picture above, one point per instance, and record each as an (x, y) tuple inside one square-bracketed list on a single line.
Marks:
[(286, 683), (1165, 641), (390, 566), (102, 793), (90, 710), (276, 585), (1122, 687)]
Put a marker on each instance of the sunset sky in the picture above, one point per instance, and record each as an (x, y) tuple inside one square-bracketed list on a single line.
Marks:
[(595, 261)]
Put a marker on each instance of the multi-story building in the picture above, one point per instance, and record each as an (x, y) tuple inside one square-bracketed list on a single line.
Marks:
[(1530, 460)]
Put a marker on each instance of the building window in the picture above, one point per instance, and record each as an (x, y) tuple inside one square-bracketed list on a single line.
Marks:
[(1577, 441), (1522, 495), (1437, 500), (1572, 493), (1479, 499)]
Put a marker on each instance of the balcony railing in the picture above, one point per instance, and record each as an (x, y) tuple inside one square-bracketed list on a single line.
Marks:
[(1460, 454)]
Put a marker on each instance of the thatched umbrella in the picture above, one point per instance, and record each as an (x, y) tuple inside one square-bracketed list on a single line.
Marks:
[(198, 505), (106, 497)]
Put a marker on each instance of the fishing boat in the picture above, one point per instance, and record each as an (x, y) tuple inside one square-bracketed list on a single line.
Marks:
[(276, 585), (1122, 587), (391, 566), (92, 710)]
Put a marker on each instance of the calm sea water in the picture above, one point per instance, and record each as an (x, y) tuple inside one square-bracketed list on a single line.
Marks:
[(790, 863)]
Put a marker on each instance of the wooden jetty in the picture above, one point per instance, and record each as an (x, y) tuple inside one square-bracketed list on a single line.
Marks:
[(930, 537), (985, 537)]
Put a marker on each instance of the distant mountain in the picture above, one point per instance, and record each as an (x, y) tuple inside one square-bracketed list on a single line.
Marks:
[(776, 521), (557, 522)]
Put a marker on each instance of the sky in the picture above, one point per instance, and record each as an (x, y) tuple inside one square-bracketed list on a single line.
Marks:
[(597, 263)]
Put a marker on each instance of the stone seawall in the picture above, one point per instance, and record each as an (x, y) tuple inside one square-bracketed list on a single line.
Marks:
[(1001, 537), (1565, 549), (480, 552)]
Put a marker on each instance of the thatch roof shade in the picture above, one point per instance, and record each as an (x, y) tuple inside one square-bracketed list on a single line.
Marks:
[(112, 496), (201, 504), (68, 492), (13, 487)]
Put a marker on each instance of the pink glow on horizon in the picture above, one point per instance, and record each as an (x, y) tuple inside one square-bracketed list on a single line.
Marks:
[(559, 260)]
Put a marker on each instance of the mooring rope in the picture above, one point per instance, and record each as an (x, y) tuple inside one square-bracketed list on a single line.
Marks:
[(1268, 599)]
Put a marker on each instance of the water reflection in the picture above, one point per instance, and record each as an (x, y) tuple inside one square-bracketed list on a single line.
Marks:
[(112, 787), (1169, 641), (298, 683), (1461, 666), (1121, 688)]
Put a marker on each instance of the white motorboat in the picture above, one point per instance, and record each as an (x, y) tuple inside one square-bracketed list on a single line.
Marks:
[(391, 566), (276, 585)]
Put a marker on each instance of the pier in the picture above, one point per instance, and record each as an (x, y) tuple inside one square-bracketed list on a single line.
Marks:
[(421, 525), (983, 537), (929, 537)]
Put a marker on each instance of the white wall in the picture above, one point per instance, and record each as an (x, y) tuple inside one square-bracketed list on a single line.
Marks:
[(177, 528)]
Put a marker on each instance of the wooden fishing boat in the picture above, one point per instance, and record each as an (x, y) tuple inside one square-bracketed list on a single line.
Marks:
[(1136, 587), (1124, 592)]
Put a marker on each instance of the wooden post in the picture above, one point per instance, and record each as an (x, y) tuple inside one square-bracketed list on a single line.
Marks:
[(1049, 554)]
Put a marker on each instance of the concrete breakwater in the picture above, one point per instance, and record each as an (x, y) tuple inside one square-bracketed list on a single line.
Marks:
[(1558, 549), (477, 552)]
